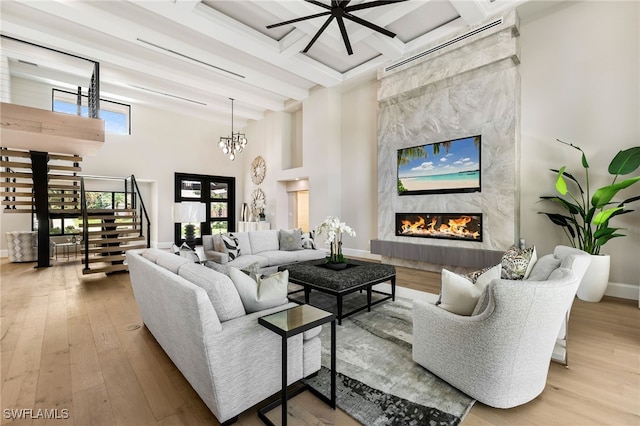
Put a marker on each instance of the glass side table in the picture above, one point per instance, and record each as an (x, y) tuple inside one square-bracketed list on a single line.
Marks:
[(288, 323)]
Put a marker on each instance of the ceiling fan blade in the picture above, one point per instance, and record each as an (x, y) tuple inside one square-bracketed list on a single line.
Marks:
[(345, 36), (371, 4), (279, 24), (315, 37), (317, 3), (369, 25)]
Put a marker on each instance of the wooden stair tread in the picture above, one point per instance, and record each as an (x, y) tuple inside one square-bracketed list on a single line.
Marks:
[(15, 164), (131, 246), (114, 240), (17, 184), (101, 211), (106, 269), (16, 210), (114, 231), (100, 224), (96, 259), (16, 194), (16, 203), (16, 175), (64, 168), (63, 177), (26, 154)]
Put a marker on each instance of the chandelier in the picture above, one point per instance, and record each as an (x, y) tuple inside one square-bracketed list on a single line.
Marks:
[(234, 144)]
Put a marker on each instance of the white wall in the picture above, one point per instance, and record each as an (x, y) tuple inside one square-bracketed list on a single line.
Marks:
[(580, 72), (160, 144), (339, 161)]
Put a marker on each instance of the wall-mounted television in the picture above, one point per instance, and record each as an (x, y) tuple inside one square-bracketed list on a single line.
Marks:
[(446, 167)]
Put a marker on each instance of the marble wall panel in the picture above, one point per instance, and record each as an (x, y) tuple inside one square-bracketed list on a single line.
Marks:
[(484, 100)]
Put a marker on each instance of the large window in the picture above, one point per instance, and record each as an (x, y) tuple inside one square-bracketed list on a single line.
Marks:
[(218, 195), (116, 116), (64, 217)]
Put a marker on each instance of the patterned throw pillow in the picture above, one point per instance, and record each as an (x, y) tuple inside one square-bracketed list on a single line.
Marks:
[(307, 241), (231, 244), (517, 263), (290, 240), (187, 252)]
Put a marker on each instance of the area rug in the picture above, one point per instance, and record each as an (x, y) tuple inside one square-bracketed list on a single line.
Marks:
[(378, 383)]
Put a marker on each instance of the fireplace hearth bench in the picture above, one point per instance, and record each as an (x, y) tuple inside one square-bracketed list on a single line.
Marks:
[(359, 275)]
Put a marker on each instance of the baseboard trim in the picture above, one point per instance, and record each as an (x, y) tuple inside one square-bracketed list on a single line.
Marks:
[(623, 291), (363, 254)]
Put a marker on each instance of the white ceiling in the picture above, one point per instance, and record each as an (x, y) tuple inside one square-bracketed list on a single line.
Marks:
[(191, 56)]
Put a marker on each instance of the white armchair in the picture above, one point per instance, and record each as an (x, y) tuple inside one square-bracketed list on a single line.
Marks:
[(500, 356)]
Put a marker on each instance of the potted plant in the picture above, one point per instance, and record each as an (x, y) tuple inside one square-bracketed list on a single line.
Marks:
[(333, 228), (586, 217)]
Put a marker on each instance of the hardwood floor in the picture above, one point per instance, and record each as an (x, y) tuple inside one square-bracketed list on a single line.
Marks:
[(73, 342)]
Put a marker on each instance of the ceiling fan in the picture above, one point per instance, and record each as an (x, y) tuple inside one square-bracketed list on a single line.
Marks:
[(340, 10)]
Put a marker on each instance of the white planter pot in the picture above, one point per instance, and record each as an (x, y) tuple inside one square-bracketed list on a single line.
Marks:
[(596, 279)]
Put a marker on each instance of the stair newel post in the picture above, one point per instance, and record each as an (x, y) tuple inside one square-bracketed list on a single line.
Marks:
[(85, 224), (40, 171)]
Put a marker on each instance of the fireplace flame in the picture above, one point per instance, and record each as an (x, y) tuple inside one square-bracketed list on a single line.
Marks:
[(456, 228)]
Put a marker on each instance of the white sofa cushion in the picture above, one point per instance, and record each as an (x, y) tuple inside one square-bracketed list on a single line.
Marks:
[(171, 262), (220, 289), (244, 261), (262, 294), (264, 241), (151, 254), (304, 255), (277, 257)]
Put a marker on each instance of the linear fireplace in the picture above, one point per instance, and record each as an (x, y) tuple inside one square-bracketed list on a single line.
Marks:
[(452, 226)]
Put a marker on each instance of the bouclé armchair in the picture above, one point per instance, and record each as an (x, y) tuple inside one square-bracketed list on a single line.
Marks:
[(500, 355)]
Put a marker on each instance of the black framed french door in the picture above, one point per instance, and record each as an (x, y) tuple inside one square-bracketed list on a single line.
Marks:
[(218, 193)]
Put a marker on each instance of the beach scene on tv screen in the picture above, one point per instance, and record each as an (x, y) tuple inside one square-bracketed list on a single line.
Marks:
[(440, 167)]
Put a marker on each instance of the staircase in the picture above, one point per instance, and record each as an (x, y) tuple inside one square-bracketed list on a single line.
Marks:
[(106, 234), (109, 234)]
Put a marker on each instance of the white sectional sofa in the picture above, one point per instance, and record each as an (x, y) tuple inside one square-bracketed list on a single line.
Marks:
[(261, 247), (197, 317)]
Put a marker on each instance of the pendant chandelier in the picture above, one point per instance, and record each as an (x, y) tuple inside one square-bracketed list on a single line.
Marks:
[(234, 144)]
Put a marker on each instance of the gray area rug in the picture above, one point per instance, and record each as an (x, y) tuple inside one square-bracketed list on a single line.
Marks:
[(378, 383)]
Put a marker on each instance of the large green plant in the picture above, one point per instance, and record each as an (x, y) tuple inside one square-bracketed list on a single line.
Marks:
[(586, 218)]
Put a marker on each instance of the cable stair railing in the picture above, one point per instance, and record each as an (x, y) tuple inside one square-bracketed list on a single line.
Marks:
[(108, 233)]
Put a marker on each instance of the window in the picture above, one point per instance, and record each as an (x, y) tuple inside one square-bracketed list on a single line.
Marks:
[(116, 116), (65, 218), (218, 195)]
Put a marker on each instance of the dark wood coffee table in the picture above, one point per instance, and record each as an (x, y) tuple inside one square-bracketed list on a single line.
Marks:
[(359, 275)]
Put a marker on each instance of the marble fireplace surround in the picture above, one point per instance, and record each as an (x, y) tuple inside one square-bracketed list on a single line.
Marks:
[(467, 88)]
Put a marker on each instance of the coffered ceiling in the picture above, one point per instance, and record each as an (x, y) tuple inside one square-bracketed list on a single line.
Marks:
[(191, 56)]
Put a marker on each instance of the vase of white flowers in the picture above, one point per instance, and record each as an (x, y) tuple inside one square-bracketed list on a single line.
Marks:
[(332, 229)]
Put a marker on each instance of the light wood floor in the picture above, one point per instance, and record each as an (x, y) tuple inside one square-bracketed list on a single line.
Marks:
[(73, 342)]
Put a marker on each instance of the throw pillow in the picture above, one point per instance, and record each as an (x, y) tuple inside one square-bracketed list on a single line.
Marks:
[(544, 267), (307, 241), (231, 245), (459, 295), (290, 240), (260, 293), (187, 252), (517, 263)]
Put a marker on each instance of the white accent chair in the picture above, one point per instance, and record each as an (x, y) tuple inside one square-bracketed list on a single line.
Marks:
[(500, 355)]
